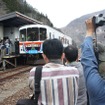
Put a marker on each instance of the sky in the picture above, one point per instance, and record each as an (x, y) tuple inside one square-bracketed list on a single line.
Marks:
[(62, 12)]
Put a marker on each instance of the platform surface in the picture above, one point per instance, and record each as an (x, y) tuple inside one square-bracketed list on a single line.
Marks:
[(10, 56)]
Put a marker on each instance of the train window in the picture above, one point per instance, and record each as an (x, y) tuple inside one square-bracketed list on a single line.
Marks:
[(65, 41), (42, 33), (53, 36), (62, 39), (22, 36), (32, 34), (50, 35), (68, 42)]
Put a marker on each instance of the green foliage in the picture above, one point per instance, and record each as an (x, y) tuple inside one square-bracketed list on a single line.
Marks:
[(23, 7)]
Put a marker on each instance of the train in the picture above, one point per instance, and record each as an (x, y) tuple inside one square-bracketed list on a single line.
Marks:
[(31, 38)]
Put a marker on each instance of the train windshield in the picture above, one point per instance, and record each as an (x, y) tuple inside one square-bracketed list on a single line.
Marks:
[(32, 34), (22, 35)]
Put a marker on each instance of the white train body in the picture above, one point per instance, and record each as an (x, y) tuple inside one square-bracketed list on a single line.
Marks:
[(32, 36)]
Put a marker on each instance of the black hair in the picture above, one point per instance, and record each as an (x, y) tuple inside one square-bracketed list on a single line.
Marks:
[(71, 53), (53, 48)]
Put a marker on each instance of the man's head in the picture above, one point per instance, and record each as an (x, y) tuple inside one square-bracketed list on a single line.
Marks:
[(71, 53), (53, 49)]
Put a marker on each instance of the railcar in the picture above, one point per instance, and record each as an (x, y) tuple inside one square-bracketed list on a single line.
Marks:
[(32, 36)]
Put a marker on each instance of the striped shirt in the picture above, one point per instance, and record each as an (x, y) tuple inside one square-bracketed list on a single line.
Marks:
[(59, 84)]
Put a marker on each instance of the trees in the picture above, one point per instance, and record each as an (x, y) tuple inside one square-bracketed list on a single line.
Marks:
[(23, 7)]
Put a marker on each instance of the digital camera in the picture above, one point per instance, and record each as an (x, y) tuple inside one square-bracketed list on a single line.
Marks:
[(99, 20)]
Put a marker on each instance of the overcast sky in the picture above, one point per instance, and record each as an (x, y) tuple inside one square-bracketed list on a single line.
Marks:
[(62, 12)]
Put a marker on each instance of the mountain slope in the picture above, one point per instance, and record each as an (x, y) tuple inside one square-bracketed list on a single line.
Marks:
[(77, 29)]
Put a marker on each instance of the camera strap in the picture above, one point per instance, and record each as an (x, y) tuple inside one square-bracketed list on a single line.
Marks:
[(37, 78), (96, 48), (95, 43)]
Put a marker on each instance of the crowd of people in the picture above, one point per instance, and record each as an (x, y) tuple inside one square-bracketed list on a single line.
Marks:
[(78, 81), (5, 46)]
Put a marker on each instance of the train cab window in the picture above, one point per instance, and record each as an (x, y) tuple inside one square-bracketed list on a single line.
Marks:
[(42, 33), (22, 36), (32, 34)]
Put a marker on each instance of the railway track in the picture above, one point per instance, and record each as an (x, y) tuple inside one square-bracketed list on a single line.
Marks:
[(10, 70), (14, 72)]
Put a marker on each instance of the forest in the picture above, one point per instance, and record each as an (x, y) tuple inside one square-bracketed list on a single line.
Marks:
[(23, 7)]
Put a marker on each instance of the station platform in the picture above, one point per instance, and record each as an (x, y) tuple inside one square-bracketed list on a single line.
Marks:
[(9, 59)]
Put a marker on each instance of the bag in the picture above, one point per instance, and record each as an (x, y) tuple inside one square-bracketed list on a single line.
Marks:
[(26, 102), (34, 99)]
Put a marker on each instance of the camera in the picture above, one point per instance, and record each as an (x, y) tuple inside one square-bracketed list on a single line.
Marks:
[(99, 20)]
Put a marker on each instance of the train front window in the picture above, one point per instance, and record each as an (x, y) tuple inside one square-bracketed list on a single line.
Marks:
[(42, 33), (32, 34), (22, 35)]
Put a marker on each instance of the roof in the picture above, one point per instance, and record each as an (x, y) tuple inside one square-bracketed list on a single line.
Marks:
[(17, 19)]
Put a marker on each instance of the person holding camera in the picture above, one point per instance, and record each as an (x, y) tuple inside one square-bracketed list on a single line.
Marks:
[(94, 82)]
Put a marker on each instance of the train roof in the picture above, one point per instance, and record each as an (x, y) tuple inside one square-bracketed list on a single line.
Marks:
[(39, 25), (42, 26), (32, 25)]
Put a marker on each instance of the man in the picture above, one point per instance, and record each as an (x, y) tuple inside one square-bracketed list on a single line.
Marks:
[(71, 56), (94, 82), (59, 84)]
